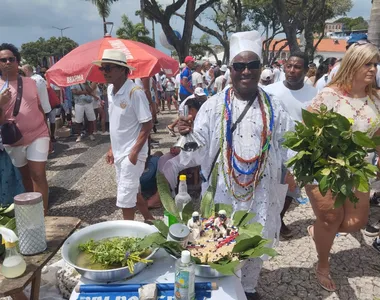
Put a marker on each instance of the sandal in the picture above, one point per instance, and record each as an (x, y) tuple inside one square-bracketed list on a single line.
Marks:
[(311, 234), (326, 276), (171, 131)]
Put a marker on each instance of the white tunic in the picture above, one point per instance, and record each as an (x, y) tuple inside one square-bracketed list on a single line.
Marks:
[(270, 194)]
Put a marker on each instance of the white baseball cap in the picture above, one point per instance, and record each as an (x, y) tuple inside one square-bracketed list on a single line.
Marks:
[(199, 91), (223, 68), (266, 75)]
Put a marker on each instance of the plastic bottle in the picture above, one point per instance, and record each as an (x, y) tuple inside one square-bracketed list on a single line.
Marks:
[(14, 264), (183, 197), (184, 285)]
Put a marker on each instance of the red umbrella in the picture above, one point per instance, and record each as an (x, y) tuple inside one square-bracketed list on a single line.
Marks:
[(77, 67)]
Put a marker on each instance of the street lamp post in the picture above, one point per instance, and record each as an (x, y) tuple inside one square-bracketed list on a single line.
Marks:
[(62, 29)]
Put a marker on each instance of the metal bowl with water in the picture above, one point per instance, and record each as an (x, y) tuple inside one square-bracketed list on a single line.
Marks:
[(101, 231)]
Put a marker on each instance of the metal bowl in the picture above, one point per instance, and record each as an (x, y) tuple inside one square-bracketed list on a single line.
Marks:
[(101, 231)]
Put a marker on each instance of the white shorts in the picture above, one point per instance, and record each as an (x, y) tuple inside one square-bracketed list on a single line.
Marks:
[(87, 109), (38, 151), (128, 181)]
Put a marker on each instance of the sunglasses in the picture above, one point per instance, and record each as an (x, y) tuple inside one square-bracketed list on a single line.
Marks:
[(10, 59), (252, 65), (107, 68)]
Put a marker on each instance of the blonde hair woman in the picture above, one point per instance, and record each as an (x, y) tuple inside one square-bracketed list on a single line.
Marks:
[(352, 93)]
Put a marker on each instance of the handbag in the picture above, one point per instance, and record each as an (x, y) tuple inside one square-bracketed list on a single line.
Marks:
[(10, 133)]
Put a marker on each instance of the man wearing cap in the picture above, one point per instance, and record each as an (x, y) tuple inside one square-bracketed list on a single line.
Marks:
[(218, 86), (250, 178), (294, 95), (199, 94), (186, 87), (130, 125), (266, 78)]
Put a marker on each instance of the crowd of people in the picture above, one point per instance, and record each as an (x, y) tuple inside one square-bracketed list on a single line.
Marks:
[(240, 113)]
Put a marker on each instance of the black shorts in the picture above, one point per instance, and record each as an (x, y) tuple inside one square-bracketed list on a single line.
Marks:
[(183, 97)]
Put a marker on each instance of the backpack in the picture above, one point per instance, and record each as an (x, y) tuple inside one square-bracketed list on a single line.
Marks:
[(53, 98)]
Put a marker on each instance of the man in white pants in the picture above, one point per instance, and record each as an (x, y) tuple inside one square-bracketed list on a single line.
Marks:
[(84, 98), (130, 125)]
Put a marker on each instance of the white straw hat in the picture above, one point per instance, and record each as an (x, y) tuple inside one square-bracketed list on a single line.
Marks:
[(113, 56)]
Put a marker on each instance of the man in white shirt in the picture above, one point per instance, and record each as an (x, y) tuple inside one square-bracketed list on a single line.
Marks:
[(41, 87), (294, 95), (130, 125), (197, 78), (266, 78), (218, 86)]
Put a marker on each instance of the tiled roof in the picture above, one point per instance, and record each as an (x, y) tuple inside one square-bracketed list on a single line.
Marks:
[(326, 45)]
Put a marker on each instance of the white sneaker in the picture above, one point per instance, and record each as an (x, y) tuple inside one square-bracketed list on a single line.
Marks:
[(79, 139), (92, 138), (105, 133)]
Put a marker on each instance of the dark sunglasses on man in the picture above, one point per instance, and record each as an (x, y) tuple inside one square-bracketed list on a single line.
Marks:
[(107, 68), (252, 65), (10, 59)]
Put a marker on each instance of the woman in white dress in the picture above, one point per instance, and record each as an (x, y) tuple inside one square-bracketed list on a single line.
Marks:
[(352, 93)]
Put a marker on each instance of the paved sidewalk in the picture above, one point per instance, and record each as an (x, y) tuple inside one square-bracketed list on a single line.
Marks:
[(83, 185)]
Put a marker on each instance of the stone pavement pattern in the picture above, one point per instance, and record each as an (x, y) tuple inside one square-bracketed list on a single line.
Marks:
[(83, 185)]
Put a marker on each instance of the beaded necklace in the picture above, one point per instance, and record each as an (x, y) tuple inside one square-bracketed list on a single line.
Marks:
[(229, 155)]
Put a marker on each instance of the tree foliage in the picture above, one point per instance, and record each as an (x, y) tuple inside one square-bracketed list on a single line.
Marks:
[(307, 17), (199, 50), (135, 32), (163, 15), (374, 23), (34, 52), (353, 23), (104, 9), (229, 17)]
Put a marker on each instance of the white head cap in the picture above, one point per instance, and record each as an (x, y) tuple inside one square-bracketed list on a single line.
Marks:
[(223, 68), (195, 214), (245, 41), (222, 212), (266, 75)]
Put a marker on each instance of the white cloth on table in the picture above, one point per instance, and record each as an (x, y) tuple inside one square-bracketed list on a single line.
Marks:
[(270, 194), (162, 271)]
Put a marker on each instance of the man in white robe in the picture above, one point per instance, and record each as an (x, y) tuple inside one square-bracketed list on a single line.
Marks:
[(268, 198)]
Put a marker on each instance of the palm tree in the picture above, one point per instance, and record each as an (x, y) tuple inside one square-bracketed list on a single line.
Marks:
[(104, 9), (135, 32), (374, 23)]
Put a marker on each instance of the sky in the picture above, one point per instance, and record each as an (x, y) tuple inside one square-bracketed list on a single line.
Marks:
[(27, 20)]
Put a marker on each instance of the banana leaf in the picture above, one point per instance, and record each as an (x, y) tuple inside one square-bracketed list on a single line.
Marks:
[(166, 196), (208, 203)]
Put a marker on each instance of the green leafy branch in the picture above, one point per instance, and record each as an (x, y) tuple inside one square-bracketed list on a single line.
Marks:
[(330, 152), (249, 243)]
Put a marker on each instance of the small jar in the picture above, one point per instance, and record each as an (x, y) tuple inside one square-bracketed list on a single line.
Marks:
[(179, 233), (30, 223)]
